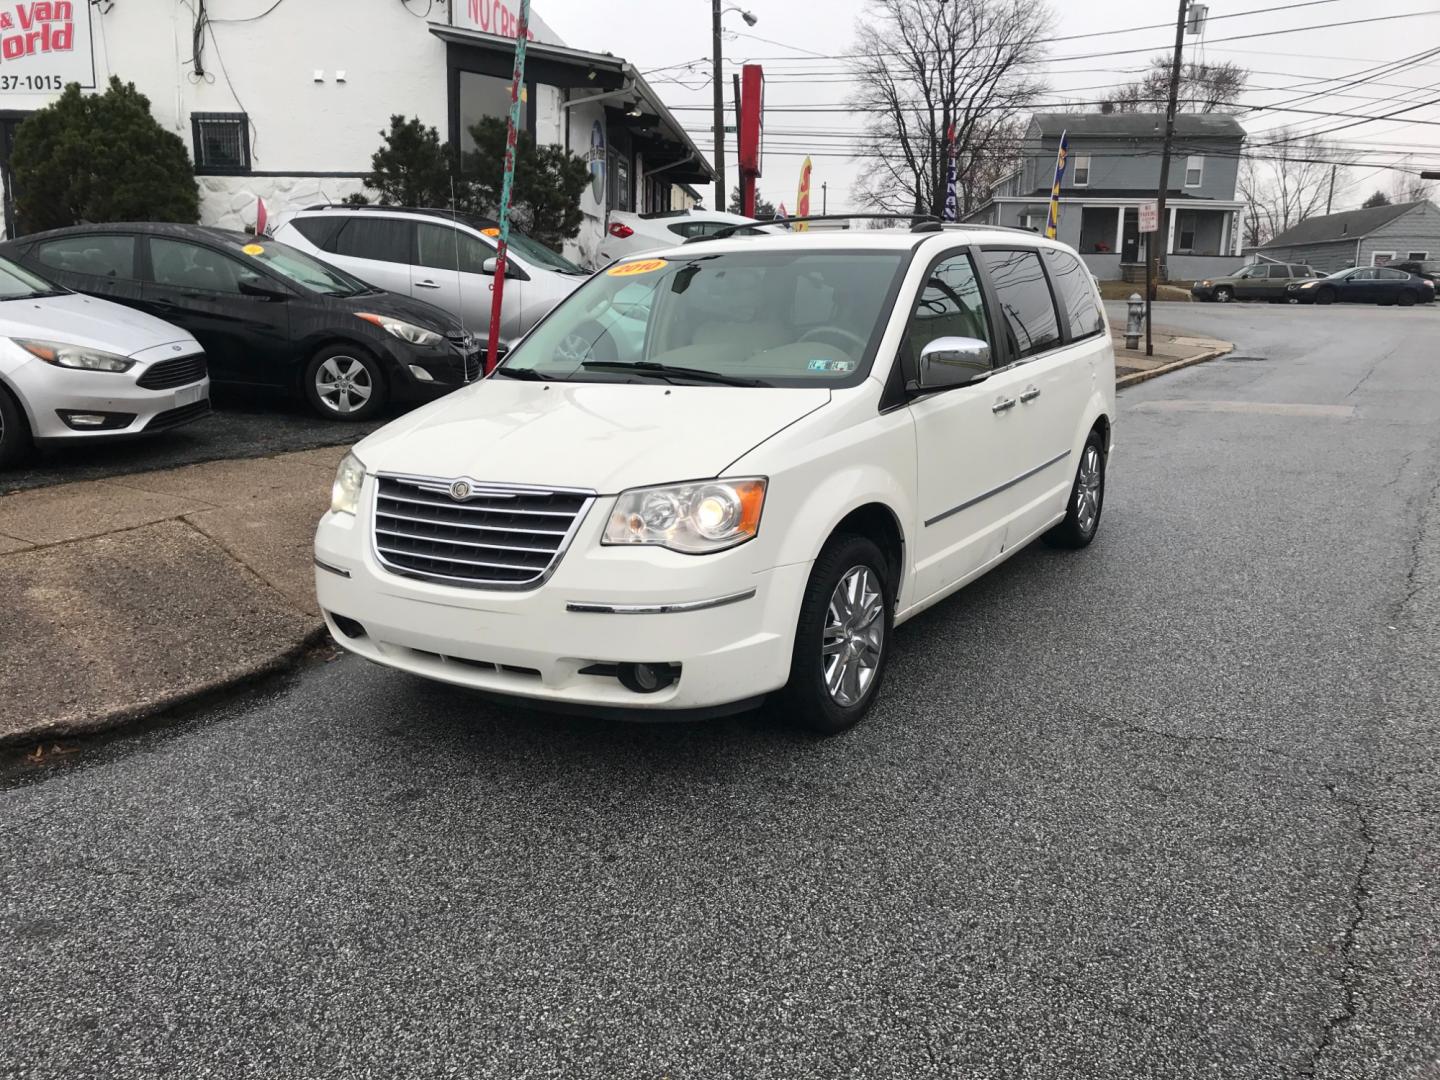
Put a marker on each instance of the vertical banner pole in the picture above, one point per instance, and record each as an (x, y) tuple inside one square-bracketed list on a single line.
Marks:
[(512, 133), (1052, 218)]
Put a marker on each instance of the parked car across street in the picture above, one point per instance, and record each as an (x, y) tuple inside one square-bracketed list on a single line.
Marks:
[(813, 438), (266, 314), (440, 257), (629, 234), (1257, 281), (74, 368), (1364, 285)]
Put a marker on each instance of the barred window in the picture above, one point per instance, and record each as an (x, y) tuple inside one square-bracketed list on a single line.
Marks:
[(222, 142)]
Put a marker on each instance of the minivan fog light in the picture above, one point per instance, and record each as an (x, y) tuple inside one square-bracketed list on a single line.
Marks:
[(345, 494), (691, 518)]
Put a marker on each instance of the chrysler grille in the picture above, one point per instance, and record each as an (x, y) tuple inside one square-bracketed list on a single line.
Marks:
[(495, 537)]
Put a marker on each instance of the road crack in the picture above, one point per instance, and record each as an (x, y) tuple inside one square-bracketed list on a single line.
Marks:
[(1359, 896)]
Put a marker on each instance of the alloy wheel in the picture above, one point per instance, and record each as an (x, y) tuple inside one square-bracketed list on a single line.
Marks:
[(343, 384), (1087, 490), (854, 636)]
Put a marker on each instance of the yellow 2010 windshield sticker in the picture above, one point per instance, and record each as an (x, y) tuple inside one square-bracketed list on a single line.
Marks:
[(253, 249), (644, 266), (490, 232)]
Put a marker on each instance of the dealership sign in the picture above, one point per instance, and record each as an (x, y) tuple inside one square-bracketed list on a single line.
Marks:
[(500, 17), (44, 44)]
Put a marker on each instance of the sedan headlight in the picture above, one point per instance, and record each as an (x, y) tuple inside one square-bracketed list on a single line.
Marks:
[(345, 495), (75, 356), (415, 335), (710, 515)]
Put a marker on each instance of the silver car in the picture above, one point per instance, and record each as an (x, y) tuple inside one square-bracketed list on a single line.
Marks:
[(76, 368), (443, 258)]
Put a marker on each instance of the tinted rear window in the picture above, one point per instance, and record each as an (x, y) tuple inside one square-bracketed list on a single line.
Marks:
[(381, 239), (1025, 300), (320, 231), (104, 255), (1072, 282)]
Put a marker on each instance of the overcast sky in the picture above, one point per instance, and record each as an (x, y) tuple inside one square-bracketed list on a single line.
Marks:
[(653, 34)]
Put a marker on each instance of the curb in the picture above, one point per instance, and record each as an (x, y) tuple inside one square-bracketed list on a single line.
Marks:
[(277, 663), (1143, 376)]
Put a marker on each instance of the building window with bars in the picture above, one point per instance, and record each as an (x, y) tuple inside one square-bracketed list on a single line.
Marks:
[(222, 143)]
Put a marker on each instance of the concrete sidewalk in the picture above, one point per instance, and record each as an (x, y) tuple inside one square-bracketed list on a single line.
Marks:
[(1174, 349), (125, 596)]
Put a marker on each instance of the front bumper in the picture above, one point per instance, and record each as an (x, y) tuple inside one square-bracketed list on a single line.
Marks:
[(1203, 292), (532, 645), (424, 374), (49, 392)]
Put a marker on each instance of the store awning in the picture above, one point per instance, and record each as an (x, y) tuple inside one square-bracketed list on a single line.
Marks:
[(607, 79)]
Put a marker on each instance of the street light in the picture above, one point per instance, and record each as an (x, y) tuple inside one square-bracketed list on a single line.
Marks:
[(750, 20)]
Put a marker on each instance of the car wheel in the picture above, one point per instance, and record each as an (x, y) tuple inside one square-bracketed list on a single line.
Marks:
[(1324, 296), (1224, 294), (15, 441), (343, 382), (842, 639), (1407, 299), (1087, 498)]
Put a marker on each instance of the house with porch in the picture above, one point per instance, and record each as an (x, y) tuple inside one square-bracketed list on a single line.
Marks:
[(1114, 167)]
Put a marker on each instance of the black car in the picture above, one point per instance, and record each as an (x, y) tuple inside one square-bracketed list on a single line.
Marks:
[(266, 314), (1364, 285)]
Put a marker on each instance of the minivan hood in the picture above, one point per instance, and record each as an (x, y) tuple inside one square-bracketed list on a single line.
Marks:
[(601, 436), (77, 319)]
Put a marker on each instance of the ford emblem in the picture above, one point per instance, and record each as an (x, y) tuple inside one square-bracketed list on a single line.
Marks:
[(460, 490)]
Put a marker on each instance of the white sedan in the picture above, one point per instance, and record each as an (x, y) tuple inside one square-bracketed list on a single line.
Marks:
[(633, 234), (77, 368)]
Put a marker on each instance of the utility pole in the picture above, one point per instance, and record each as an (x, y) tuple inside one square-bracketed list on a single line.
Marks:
[(719, 85), (1330, 198), (824, 197), (1152, 257)]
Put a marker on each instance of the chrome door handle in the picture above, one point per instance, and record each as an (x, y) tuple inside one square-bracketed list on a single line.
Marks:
[(1030, 394), (426, 285), (1003, 404)]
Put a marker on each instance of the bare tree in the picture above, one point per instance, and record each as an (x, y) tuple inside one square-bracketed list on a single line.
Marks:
[(923, 65), (1284, 181), (1408, 187), (1204, 87)]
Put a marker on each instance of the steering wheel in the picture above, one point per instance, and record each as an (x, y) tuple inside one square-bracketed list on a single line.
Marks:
[(588, 341), (835, 331)]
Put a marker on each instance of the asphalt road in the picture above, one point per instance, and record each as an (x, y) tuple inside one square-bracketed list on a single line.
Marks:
[(1164, 808), (242, 425)]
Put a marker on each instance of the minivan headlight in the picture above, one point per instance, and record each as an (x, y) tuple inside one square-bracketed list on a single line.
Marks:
[(75, 356), (345, 494), (696, 518), (415, 335)]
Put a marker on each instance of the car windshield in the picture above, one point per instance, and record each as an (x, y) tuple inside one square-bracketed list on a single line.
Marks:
[(304, 270), (537, 254), (767, 318), (1340, 274), (17, 283)]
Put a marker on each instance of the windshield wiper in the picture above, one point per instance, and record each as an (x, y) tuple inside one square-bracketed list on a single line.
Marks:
[(650, 367), (527, 374)]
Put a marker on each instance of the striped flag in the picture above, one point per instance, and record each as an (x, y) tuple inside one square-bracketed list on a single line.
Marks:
[(952, 197), (1052, 219)]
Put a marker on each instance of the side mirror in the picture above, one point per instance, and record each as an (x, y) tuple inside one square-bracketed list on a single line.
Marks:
[(952, 361), (512, 272), (261, 289)]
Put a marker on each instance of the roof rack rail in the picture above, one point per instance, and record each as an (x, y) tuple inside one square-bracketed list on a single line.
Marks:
[(731, 230)]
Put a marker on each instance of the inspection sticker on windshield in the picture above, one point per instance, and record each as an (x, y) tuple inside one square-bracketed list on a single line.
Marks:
[(643, 266), (492, 231), (253, 249), (832, 365)]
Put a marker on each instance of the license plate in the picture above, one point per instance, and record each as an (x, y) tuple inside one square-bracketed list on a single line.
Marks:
[(189, 395)]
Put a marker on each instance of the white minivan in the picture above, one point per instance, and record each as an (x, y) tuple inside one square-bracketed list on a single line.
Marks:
[(728, 470)]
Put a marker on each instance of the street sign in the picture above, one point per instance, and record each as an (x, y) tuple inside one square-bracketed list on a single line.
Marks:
[(729, 129), (1149, 217)]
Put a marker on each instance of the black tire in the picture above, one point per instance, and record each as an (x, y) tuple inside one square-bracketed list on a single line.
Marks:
[(1324, 296), (807, 700), (15, 442), (1407, 299), (361, 390), (1224, 294), (1082, 515)]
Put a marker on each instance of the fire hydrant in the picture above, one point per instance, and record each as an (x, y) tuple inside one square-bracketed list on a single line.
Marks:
[(1134, 321)]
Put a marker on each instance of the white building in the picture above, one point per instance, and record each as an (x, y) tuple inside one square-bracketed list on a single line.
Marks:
[(286, 101)]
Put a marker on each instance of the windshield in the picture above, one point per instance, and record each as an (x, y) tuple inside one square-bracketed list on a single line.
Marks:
[(536, 253), (17, 283), (770, 318), (304, 270), (1340, 273)]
